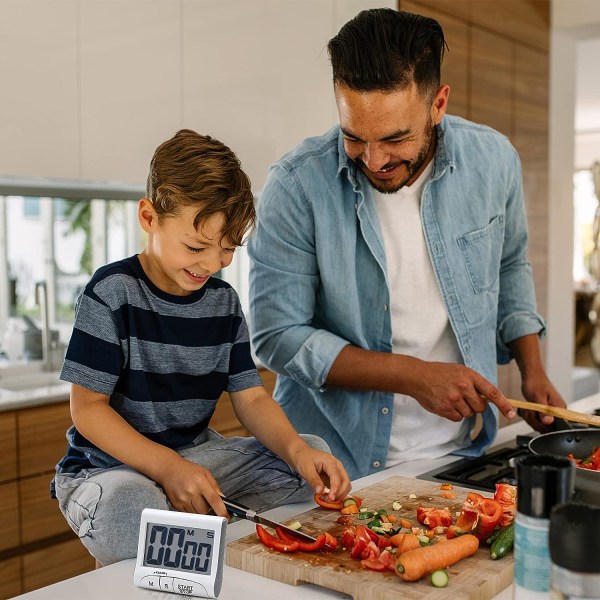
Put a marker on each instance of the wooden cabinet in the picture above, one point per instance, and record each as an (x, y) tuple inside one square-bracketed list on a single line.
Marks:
[(10, 576), (55, 563), (8, 446), (37, 547), (9, 515), (42, 441)]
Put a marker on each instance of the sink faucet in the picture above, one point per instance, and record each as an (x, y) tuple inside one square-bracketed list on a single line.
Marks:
[(41, 298)]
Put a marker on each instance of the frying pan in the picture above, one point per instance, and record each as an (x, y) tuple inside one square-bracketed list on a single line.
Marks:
[(581, 443)]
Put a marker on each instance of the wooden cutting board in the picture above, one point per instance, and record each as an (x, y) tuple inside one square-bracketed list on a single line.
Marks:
[(475, 578)]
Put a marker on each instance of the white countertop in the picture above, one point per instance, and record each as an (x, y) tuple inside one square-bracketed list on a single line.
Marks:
[(24, 385), (115, 582)]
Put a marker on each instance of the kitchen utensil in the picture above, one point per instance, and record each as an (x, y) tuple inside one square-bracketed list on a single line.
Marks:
[(477, 577), (580, 443), (239, 510), (555, 411)]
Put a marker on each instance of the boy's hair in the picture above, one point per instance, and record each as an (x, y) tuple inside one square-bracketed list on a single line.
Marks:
[(383, 49), (192, 169)]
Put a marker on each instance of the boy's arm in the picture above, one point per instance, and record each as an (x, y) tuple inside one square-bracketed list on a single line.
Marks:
[(265, 419), (189, 487)]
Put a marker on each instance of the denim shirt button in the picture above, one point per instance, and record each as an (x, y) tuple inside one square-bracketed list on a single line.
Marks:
[(385, 410), (376, 464), (385, 307)]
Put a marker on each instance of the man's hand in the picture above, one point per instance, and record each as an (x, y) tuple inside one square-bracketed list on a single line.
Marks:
[(539, 389), (456, 392)]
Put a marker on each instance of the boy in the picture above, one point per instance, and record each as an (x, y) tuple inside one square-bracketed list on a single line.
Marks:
[(156, 340)]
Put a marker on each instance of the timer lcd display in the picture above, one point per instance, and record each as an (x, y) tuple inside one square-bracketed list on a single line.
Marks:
[(186, 549)]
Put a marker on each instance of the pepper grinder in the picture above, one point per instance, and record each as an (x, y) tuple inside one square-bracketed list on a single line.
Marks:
[(542, 482), (575, 551)]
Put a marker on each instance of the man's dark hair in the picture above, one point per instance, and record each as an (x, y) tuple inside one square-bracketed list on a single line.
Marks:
[(384, 49)]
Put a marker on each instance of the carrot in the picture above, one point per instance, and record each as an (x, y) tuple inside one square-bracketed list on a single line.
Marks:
[(352, 509), (392, 518), (414, 564), (405, 523), (405, 541), (448, 495)]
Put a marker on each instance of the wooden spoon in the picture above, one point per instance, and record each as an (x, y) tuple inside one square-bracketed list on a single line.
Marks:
[(555, 411)]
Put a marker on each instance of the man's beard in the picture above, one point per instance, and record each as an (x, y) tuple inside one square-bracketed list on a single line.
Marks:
[(412, 167)]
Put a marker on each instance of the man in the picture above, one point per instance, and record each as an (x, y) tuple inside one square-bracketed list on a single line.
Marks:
[(389, 270)]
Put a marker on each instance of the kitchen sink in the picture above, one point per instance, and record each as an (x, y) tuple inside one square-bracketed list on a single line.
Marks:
[(29, 381)]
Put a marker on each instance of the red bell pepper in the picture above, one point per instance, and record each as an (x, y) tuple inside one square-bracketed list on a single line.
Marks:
[(304, 546), (272, 542), (479, 516), (336, 505), (434, 517), (506, 496)]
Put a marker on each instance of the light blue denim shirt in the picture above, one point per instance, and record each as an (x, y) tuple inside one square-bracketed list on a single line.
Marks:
[(318, 277)]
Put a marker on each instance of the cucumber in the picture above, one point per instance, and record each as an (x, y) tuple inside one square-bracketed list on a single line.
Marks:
[(492, 538), (439, 578), (504, 542)]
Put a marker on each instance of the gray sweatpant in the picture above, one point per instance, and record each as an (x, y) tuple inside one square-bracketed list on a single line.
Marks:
[(104, 506)]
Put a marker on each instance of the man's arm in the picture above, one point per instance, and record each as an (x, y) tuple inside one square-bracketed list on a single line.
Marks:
[(450, 390)]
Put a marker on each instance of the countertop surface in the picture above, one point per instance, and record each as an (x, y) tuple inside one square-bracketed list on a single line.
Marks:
[(27, 385), (115, 582)]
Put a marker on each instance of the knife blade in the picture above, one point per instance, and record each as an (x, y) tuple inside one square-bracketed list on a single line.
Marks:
[(239, 510)]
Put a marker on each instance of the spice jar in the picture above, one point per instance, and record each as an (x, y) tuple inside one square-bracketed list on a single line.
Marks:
[(542, 483), (575, 551)]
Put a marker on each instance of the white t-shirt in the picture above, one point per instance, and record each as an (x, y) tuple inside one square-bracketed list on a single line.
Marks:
[(420, 325)]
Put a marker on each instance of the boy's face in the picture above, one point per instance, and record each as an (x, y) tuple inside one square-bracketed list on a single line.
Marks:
[(178, 258)]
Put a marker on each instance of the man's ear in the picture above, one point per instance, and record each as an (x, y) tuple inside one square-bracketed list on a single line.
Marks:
[(147, 215), (440, 103)]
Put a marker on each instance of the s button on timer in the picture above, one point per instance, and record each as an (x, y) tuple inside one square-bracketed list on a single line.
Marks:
[(166, 584)]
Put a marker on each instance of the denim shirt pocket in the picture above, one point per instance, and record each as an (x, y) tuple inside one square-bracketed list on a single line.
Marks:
[(482, 251)]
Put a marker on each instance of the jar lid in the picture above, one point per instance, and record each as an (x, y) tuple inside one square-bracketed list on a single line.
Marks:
[(543, 482), (575, 537)]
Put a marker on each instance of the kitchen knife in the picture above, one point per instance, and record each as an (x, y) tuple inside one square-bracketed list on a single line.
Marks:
[(239, 510)]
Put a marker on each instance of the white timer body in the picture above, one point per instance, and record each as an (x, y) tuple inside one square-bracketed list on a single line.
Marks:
[(180, 552)]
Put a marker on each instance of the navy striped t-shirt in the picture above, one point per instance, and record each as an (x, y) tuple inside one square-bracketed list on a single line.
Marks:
[(164, 360)]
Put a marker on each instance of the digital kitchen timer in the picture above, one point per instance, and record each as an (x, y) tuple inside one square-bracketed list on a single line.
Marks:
[(180, 552)]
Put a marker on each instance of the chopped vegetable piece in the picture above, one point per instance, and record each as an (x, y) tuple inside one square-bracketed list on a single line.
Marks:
[(504, 542), (323, 502), (439, 578), (434, 517), (351, 509), (414, 564), (296, 525), (446, 486), (405, 523), (396, 505), (272, 542), (302, 545), (373, 563)]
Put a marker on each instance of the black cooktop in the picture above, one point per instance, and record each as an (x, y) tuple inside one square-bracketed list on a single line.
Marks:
[(482, 473)]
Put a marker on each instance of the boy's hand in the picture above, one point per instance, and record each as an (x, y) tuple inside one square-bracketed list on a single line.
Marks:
[(323, 470), (191, 488)]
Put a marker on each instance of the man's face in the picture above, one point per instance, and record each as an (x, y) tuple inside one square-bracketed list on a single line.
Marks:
[(390, 135)]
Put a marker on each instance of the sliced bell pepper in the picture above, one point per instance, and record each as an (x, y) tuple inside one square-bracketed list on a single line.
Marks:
[(272, 542), (304, 546), (336, 505), (330, 542), (434, 517)]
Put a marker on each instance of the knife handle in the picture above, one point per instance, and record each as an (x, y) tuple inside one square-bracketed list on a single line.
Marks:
[(237, 509)]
